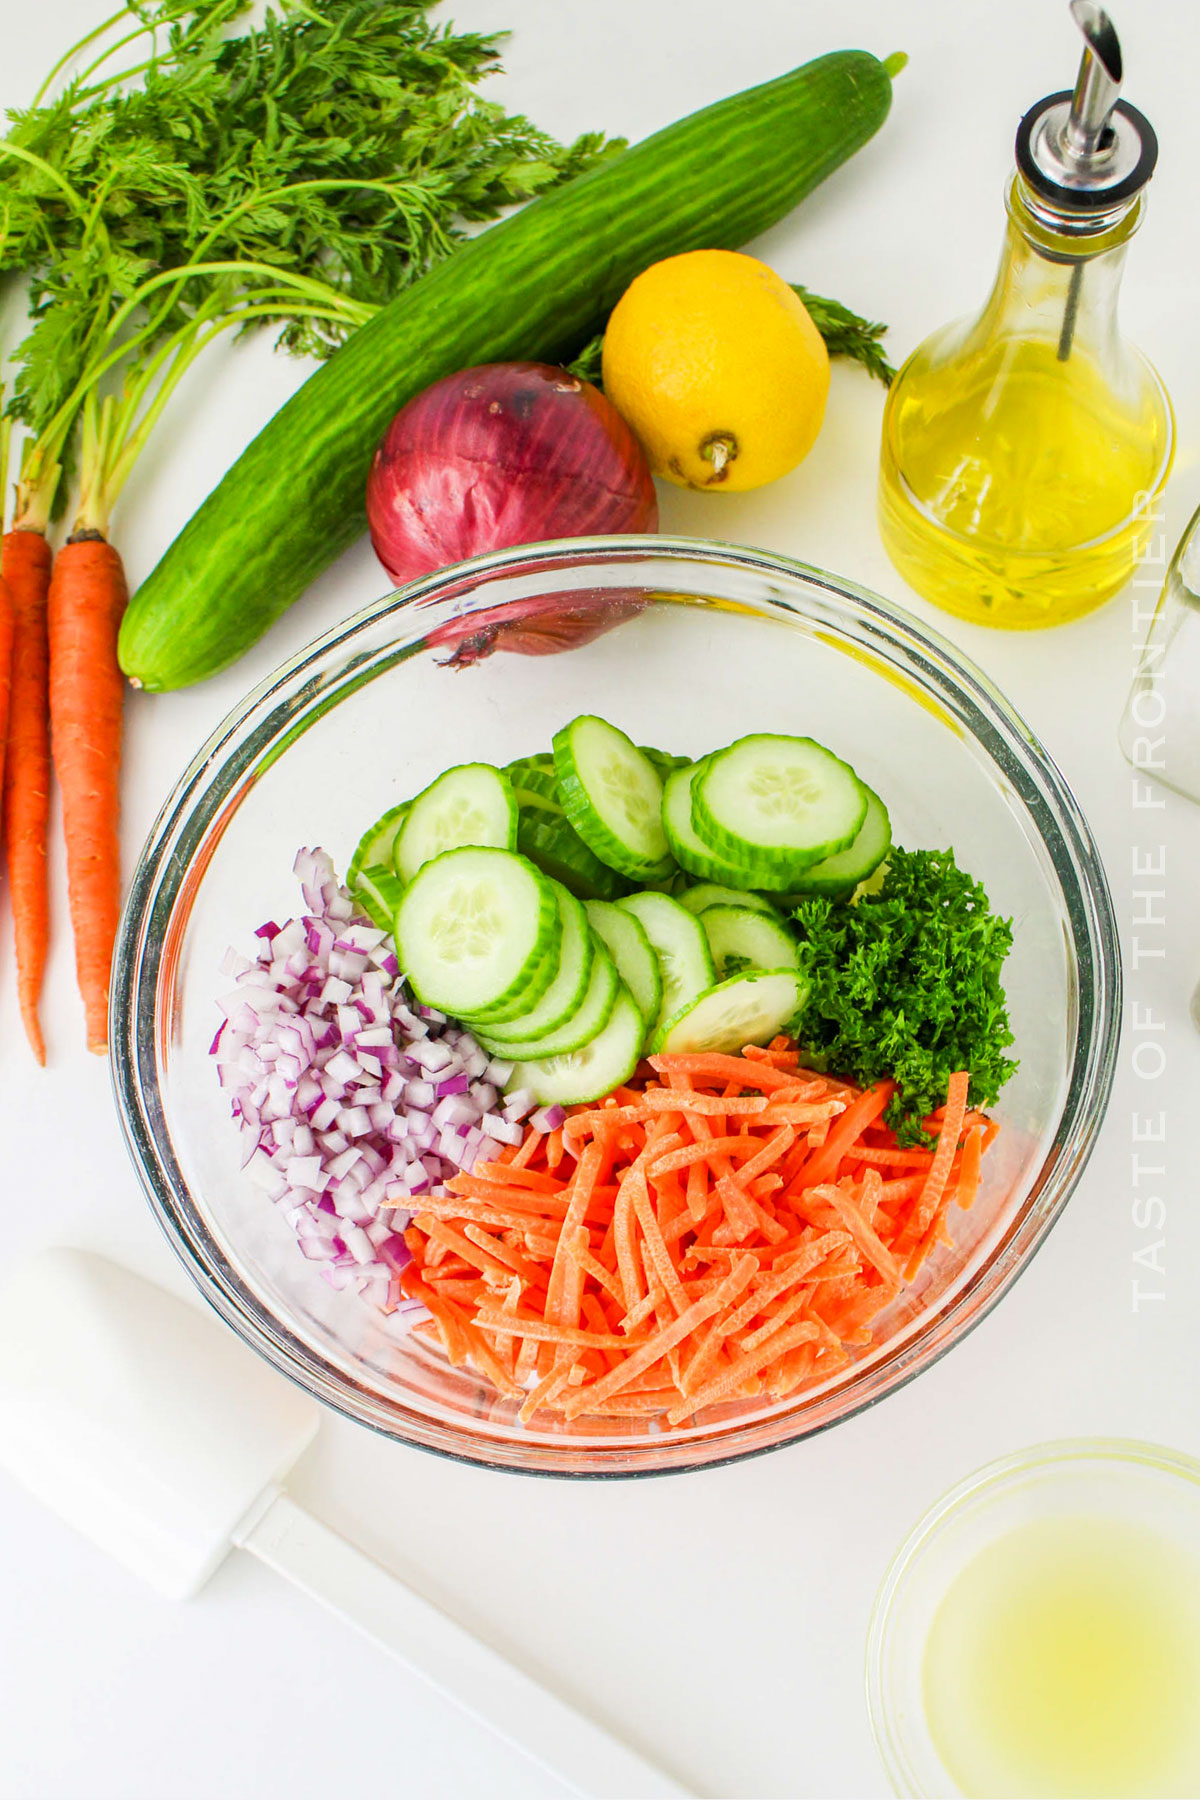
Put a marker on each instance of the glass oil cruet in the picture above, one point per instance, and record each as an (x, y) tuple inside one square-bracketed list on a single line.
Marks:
[(1023, 449)]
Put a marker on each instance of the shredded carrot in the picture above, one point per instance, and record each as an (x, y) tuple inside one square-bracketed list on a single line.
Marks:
[(939, 1169), (692, 1241), (968, 1175)]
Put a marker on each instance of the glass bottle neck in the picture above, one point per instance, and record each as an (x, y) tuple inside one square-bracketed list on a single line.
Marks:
[(1057, 285)]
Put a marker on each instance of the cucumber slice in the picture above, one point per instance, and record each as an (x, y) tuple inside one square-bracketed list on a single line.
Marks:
[(664, 762), (741, 938), (478, 929), (559, 851), (612, 794), (540, 763), (375, 845), (776, 805), (470, 804), (587, 1022), (836, 877), (689, 851), (698, 899), (678, 941), (534, 783), (629, 946), (748, 1009), (593, 1070), (379, 891), (874, 882), (565, 994)]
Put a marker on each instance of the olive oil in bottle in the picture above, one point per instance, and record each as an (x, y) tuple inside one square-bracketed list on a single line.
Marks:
[(1023, 450)]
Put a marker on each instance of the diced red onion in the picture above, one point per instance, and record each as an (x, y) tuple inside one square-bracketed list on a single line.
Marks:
[(351, 1100), (548, 1118)]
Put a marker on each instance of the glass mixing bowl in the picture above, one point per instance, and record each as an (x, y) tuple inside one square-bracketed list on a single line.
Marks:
[(726, 641)]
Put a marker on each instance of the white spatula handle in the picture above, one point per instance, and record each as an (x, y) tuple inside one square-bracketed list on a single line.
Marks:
[(477, 1678)]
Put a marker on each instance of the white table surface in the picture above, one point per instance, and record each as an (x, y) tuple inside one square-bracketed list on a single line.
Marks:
[(750, 1684)]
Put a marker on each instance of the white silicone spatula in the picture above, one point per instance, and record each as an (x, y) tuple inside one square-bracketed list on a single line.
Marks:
[(152, 1430)]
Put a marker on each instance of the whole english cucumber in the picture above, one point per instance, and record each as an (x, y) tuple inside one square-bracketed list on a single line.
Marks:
[(534, 286)]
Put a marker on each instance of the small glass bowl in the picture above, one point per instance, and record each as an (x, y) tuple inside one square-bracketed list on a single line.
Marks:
[(1115, 1478), (708, 643)]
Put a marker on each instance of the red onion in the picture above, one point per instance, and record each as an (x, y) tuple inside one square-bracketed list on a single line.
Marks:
[(538, 627), (351, 1101), (509, 453)]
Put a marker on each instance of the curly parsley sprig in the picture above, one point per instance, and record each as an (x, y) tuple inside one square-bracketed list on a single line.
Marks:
[(906, 983)]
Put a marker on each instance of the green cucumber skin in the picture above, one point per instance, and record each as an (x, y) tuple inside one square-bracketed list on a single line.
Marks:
[(535, 286)]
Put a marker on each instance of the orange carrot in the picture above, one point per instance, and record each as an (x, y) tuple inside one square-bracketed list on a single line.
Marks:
[(711, 1065), (683, 1245), (86, 602), (8, 625), (822, 1164), (939, 1170), (862, 1232), (968, 1179), (25, 561)]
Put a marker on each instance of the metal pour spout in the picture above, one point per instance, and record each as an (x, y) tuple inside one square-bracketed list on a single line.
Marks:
[(1087, 136)]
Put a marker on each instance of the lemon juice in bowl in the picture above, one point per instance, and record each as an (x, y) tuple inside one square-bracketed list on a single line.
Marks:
[(1039, 1632), (1065, 1659)]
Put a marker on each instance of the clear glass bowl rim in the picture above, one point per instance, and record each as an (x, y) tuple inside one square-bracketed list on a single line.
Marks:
[(1030, 1464), (243, 743)]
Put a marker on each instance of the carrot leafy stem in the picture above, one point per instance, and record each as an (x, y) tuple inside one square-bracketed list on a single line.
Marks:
[(301, 172)]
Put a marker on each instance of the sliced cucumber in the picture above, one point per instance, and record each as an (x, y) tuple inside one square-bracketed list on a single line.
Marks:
[(470, 804), (836, 877), (874, 882), (565, 994), (588, 1020), (704, 894), (478, 930), (776, 805), (748, 1009), (741, 938), (559, 851), (689, 851), (664, 762), (630, 949), (612, 794), (375, 845), (534, 783), (379, 890), (678, 941), (591, 1071)]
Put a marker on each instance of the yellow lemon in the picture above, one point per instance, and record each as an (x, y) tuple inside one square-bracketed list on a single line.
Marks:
[(717, 366)]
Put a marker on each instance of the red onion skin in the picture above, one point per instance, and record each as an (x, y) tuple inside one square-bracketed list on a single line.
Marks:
[(538, 627), (503, 454)]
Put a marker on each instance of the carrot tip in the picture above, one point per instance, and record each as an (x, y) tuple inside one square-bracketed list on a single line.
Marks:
[(33, 1032)]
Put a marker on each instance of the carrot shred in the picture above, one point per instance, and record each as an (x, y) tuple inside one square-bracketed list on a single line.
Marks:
[(922, 1213), (526, 1151), (968, 1177)]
